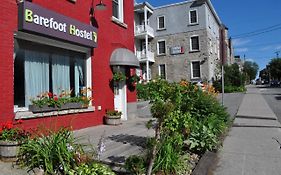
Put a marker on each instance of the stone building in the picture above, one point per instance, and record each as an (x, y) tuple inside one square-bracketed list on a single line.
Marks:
[(187, 41)]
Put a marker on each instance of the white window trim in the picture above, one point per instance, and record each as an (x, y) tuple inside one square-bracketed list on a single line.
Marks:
[(158, 28), (18, 110), (197, 19), (120, 12), (159, 70), (191, 68), (190, 41), (158, 47)]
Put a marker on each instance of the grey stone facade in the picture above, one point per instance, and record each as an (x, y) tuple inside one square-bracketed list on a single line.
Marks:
[(178, 32), (178, 66)]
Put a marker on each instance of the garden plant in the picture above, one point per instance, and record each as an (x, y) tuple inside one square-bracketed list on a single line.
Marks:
[(188, 122), (57, 152)]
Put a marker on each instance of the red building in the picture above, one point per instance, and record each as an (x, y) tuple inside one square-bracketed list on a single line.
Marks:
[(61, 45)]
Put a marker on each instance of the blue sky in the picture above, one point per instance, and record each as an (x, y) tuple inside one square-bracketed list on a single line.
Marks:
[(244, 16)]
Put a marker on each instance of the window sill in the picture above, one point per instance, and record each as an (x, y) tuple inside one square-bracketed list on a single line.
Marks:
[(161, 54), (194, 51), (161, 29), (193, 24), (30, 115), (118, 22)]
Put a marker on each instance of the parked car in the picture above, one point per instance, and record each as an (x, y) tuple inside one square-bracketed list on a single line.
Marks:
[(275, 83)]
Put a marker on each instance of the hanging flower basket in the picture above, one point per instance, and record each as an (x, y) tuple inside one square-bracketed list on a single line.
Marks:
[(118, 76), (134, 79)]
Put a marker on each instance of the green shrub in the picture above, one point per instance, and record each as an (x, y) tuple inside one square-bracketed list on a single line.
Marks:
[(168, 155), (201, 138), (54, 153), (91, 169), (186, 116), (136, 165)]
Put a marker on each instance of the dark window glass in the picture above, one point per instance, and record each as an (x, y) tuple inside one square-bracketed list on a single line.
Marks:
[(195, 43), (161, 22), (161, 47), (115, 8), (162, 69), (196, 69), (39, 68), (193, 17)]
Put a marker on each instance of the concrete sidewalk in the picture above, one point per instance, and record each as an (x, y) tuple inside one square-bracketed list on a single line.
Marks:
[(251, 147), (120, 141)]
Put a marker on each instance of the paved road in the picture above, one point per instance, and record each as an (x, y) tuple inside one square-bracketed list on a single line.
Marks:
[(273, 98)]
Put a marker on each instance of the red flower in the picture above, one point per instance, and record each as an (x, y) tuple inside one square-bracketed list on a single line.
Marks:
[(50, 94), (9, 125), (19, 121), (56, 98)]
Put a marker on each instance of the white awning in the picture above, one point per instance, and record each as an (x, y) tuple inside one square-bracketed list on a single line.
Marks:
[(123, 57)]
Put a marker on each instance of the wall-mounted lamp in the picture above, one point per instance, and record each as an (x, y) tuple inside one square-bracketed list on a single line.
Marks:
[(100, 6)]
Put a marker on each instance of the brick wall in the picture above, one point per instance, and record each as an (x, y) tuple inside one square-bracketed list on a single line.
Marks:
[(110, 37)]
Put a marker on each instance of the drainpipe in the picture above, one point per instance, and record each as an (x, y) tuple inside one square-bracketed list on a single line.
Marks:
[(146, 44)]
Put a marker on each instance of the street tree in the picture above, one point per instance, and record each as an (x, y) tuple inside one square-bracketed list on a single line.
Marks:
[(275, 68), (251, 69), (233, 76), (264, 74)]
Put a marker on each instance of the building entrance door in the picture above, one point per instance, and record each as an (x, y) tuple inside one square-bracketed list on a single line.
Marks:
[(120, 96)]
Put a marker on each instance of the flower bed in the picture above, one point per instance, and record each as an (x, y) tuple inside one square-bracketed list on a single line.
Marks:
[(188, 121), (59, 153), (47, 101), (46, 108)]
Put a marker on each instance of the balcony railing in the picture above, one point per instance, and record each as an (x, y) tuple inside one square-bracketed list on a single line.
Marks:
[(142, 56), (141, 29)]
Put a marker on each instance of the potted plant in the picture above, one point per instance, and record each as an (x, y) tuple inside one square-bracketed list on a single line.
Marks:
[(113, 117), (48, 101), (11, 138), (118, 76)]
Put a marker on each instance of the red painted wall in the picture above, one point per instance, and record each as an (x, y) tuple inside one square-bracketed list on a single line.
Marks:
[(110, 37)]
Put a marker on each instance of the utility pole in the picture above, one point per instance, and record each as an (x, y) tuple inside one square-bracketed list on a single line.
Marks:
[(277, 54)]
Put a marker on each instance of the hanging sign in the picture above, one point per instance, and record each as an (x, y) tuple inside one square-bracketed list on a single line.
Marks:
[(35, 18)]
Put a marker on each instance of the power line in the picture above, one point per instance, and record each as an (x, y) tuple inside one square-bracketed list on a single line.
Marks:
[(260, 44), (259, 30), (254, 34)]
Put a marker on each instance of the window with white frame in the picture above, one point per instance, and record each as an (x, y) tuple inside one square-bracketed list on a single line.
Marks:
[(162, 71), (195, 69), (194, 43), (161, 47), (193, 17), (47, 69), (117, 10), (161, 22)]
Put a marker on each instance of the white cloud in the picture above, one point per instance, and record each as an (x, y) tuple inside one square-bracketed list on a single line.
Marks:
[(266, 48), (240, 42), (241, 49), (278, 47), (250, 59)]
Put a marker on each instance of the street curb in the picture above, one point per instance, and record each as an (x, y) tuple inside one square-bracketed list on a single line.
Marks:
[(256, 117), (205, 164)]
